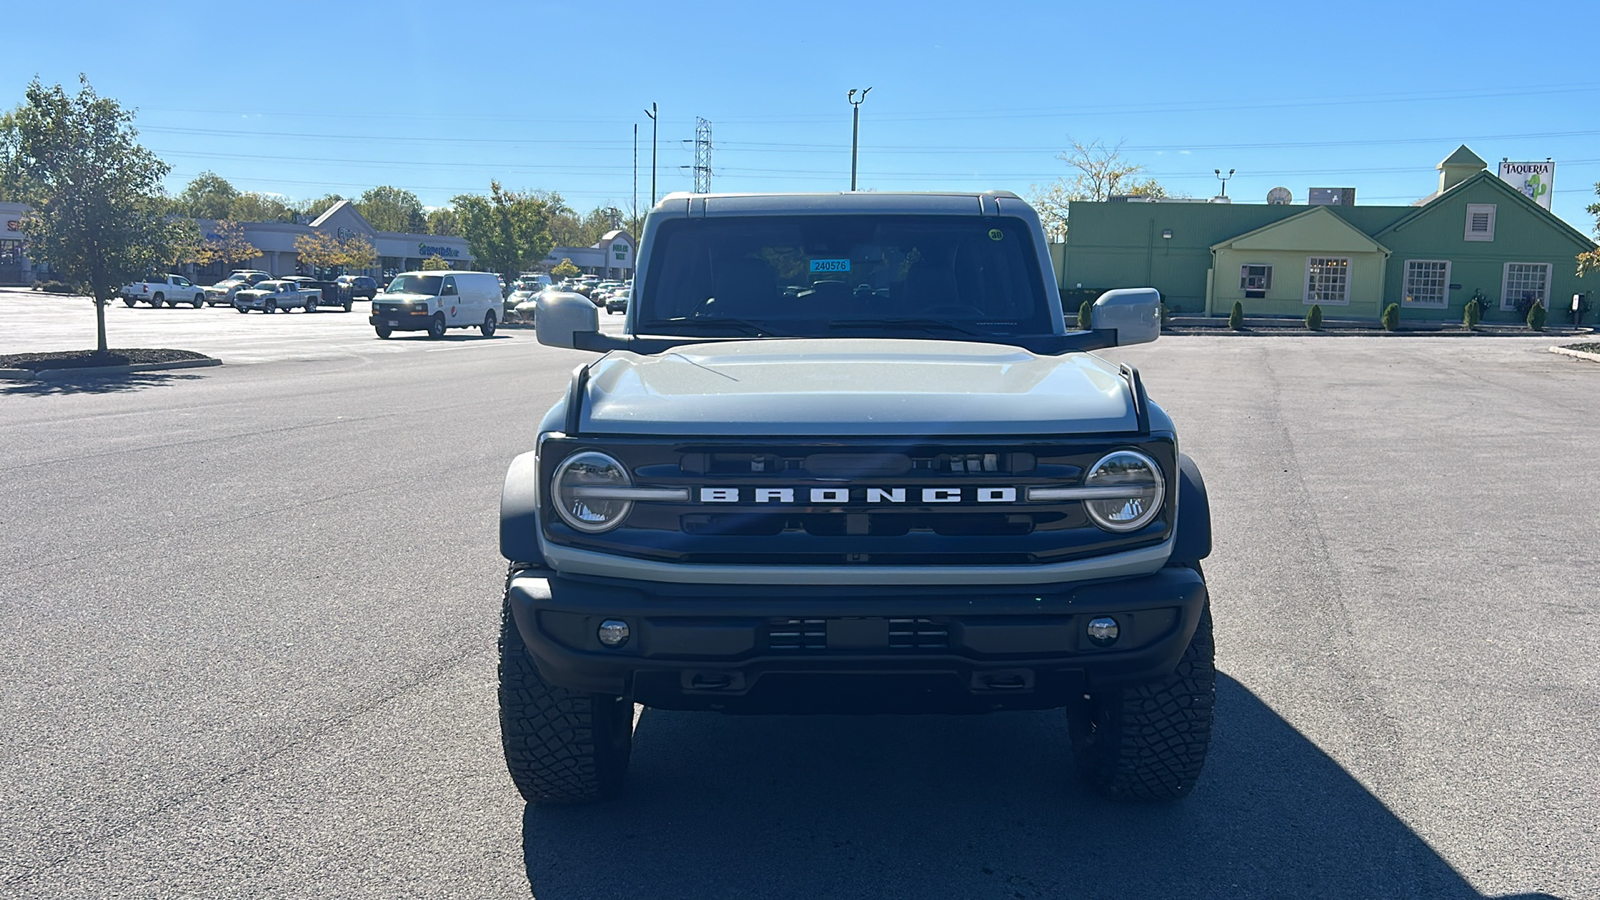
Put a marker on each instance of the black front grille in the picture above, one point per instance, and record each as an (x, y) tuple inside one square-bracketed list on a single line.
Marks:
[(811, 636), (858, 502)]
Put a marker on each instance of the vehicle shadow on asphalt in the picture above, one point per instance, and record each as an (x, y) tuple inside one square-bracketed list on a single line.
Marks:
[(887, 806), (93, 384)]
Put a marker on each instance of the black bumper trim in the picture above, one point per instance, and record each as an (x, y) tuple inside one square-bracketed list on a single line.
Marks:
[(709, 646)]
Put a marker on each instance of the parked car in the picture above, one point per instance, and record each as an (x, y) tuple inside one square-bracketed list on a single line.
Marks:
[(271, 296), (221, 293), (331, 293), (169, 289), (520, 295), (617, 301), (360, 285)]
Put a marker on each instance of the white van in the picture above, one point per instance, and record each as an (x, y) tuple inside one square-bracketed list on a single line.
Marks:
[(437, 300)]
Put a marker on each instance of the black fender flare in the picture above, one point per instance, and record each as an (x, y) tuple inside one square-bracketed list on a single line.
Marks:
[(1193, 541), (519, 512)]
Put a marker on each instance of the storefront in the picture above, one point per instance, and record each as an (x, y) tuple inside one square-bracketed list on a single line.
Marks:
[(274, 246), (611, 257)]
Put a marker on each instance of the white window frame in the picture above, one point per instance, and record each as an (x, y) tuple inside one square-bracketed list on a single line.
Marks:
[(1472, 209), (1507, 304), (1244, 277), (1344, 299), (1406, 285)]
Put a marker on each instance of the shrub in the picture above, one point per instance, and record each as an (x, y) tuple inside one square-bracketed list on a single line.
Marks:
[(1472, 315), (1314, 318), (1536, 316), (1391, 317), (1236, 316), (1085, 315), (52, 287)]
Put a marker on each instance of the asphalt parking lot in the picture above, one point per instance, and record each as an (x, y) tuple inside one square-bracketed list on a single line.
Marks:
[(251, 620)]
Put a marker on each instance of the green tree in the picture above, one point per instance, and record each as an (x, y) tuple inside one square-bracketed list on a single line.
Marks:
[(208, 196), (434, 263), (508, 231), (444, 222), (392, 209), (98, 211), (1102, 173), (1589, 262), (357, 252), (251, 206), (564, 269), (319, 250), (313, 208), (227, 245)]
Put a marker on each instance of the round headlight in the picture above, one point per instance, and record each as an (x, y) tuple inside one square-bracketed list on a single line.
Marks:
[(1140, 491), (579, 488)]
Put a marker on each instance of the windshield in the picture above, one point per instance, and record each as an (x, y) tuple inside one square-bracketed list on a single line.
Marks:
[(818, 276), (416, 284)]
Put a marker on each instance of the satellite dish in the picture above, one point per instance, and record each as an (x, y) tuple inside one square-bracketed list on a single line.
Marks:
[(1279, 196)]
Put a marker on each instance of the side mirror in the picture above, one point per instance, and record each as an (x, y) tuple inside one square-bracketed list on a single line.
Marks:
[(563, 315), (1133, 313)]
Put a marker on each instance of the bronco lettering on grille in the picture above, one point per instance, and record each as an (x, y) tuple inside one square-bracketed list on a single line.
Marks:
[(839, 495)]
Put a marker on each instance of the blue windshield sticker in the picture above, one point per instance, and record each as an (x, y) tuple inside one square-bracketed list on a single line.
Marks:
[(829, 265)]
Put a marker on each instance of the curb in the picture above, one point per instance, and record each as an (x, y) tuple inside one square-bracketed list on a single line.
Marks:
[(57, 374), (1580, 354)]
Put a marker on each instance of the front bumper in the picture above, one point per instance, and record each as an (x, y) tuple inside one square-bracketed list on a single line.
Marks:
[(800, 648), (400, 321)]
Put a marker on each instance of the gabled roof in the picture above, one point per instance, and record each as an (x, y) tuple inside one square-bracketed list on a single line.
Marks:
[(1462, 157), (1432, 204), (334, 210), (1315, 229)]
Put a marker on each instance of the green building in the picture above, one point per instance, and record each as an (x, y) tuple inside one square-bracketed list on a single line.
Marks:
[(1477, 236)]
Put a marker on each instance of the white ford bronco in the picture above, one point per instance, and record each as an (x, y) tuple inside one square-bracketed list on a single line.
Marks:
[(848, 456)]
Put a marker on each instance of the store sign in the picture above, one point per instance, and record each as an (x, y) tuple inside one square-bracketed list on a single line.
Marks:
[(13, 224), (1534, 179), (441, 252), (1331, 197)]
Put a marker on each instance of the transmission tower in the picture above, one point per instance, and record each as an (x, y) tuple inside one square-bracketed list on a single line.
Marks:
[(702, 156)]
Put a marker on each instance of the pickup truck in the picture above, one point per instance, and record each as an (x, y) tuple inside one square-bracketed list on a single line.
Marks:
[(168, 289), (848, 455), (271, 296), (221, 293)]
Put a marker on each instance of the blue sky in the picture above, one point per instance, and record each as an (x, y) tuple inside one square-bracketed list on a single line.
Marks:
[(303, 99)]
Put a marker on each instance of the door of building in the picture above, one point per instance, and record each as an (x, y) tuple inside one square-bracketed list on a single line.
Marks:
[(10, 262)]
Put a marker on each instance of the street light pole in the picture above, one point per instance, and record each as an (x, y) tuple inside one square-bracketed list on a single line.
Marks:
[(1223, 179), (855, 131), (651, 112)]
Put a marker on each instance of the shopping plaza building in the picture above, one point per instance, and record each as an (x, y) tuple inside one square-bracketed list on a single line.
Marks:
[(397, 251)]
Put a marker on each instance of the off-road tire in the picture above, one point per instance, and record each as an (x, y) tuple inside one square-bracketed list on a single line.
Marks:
[(561, 747), (436, 326), (1149, 742)]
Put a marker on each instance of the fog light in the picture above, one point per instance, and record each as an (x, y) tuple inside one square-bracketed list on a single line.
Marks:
[(614, 632), (1103, 631)]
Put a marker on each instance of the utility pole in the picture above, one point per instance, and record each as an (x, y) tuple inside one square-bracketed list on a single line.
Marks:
[(634, 210), (702, 156), (651, 112), (855, 131)]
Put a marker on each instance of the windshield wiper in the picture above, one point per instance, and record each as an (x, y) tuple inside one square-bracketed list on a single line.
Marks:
[(929, 325), (741, 326)]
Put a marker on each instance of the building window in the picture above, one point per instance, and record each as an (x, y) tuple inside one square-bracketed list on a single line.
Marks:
[(1328, 280), (1480, 222), (1427, 283), (1255, 281), (1525, 282)]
